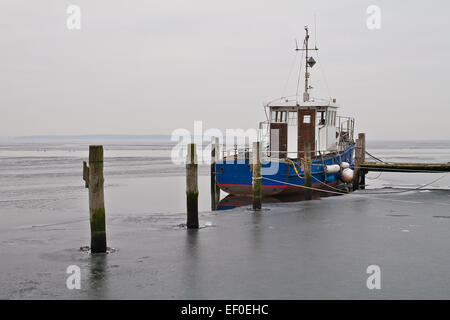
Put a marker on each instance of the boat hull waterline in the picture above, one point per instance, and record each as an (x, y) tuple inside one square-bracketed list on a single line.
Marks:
[(236, 178)]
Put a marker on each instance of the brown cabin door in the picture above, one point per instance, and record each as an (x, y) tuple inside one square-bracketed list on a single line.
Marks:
[(306, 130), (278, 131)]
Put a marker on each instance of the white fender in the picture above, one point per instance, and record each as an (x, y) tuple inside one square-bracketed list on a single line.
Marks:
[(345, 165), (347, 175), (332, 168)]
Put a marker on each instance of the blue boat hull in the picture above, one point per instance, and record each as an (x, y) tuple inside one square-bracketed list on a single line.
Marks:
[(235, 178)]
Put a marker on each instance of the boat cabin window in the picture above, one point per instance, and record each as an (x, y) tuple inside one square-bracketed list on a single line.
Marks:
[(293, 118), (321, 118), (331, 118), (306, 118), (279, 116)]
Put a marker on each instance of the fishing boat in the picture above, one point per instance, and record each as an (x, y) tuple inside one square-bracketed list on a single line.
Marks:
[(295, 130)]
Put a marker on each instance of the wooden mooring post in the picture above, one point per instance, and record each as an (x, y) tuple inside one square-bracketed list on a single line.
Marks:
[(256, 176), (215, 190), (362, 172), (192, 187), (359, 179), (93, 177), (307, 171)]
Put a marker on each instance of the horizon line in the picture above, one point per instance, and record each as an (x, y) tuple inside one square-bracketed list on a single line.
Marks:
[(141, 136)]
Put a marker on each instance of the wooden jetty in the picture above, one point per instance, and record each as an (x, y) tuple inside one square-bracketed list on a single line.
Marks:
[(362, 167), (405, 167)]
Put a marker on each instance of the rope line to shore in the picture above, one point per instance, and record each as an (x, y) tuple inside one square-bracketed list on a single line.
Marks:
[(418, 188), (359, 195), (412, 170), (329, 186), (373, 157)]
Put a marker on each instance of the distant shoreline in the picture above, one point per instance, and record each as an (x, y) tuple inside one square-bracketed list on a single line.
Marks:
[(89, 137), (161, 137)]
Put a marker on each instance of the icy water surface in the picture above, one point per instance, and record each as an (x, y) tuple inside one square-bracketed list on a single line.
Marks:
[(297, 250)]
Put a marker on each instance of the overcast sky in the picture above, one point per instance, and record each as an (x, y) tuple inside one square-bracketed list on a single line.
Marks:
[(149, 67)]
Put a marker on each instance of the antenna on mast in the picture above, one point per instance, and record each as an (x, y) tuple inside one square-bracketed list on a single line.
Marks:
[(309, 62)]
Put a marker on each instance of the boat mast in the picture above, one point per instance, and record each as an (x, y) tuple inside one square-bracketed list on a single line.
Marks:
[(306, 94), (309, 62)]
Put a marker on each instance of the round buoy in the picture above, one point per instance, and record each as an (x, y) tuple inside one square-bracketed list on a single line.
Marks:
[(345, 165), (347, 175)]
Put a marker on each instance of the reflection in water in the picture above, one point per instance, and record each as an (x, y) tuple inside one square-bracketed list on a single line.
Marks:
[(231, 201), (255, 234), (191, 265), (98, 275)]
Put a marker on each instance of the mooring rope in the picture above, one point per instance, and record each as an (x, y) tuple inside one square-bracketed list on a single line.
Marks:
[(373, 157), (411, 170), (295, 169), (357, 195), (379, 175), (325, 184), (410, 189)]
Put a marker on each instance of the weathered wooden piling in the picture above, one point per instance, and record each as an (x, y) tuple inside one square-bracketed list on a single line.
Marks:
[(356, 166), (307, 171), (256, 176), (215, 190), (362, 172), (360, 156), (93, 177), (192, 187)]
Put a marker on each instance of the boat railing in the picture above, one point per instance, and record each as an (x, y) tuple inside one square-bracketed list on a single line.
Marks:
[(346, 124), (346, 128), (247, 153), (264, 130)]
